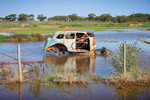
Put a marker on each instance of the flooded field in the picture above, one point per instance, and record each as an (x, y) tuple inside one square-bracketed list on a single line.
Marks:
[(80, 64)]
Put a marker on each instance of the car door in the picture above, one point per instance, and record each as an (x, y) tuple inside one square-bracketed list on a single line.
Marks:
[(70, 42)]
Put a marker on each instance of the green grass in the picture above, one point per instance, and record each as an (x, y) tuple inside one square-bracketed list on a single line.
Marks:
[(99, 30), (23, 37), (5, 37), (141, 40), (52, 26), (36, 30), (71, 25)]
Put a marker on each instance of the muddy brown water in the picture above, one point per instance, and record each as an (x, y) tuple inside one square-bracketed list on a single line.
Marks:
[(32, 51)]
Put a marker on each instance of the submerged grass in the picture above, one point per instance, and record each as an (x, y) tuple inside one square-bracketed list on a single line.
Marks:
[(108, 41), (145, 41), (99, 30), (36, 75)]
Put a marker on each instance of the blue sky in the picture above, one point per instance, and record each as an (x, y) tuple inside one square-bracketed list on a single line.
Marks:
[(82, 8)]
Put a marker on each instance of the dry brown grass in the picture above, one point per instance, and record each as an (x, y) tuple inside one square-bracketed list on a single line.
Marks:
[(130, 80)]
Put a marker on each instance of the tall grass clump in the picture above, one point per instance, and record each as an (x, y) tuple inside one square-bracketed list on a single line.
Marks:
[(135, 73), (132, 58)]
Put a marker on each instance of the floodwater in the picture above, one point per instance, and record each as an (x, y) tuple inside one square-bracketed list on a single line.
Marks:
[(33, 51)]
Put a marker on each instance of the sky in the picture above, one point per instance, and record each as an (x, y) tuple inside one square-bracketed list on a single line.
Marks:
[(51, 8)]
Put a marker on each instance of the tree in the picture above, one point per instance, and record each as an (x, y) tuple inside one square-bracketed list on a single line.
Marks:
[(91, 16), (73, 17), (11, 17), (23, 17), (58, 18), (31, 17), (105, 17), (41, 17), (50, 19), (139, 17), (121, 19), (81, 19), (97, 18)]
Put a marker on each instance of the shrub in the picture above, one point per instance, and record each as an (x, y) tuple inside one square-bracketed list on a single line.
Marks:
[(132, 58), (5, 36)]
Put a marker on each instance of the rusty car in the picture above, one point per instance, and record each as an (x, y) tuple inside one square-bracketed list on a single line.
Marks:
[(71, 41)]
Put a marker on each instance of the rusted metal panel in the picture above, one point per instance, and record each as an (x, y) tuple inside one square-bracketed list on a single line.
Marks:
[(82, 42)]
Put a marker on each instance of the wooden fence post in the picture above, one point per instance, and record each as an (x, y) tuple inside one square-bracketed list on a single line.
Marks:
[(124, 58), (19, 64), (20, 91)]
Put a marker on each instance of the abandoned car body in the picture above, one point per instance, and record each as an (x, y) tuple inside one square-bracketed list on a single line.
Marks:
[(71, 41)]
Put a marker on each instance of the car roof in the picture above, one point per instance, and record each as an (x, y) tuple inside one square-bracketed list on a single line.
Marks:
[(70, 31)]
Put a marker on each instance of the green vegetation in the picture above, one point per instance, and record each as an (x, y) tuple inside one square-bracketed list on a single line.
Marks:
[(71, 25), (135, 74), (3, 37), (108, 41), (131, 56), (118, 31), (26, 24), (136, 18), (145, 41), (36, 74), (23, 37), (99, 30), (41, 17), (52, 26)]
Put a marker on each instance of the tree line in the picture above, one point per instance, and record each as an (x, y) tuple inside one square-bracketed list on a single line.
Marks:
[(138, 17)]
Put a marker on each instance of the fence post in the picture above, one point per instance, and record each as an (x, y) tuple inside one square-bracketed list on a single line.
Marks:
[(19, 64), (20, 91), (124, 58)]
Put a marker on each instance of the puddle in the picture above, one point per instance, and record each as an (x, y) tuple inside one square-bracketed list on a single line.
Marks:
[(94, 91), (33, 51)]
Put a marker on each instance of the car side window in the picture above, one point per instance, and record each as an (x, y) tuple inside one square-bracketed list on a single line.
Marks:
[(70, 36), (60, 36), (80, 35)]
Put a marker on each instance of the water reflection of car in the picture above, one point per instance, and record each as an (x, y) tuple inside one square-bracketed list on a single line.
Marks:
[(71, 41), (76, 63)]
